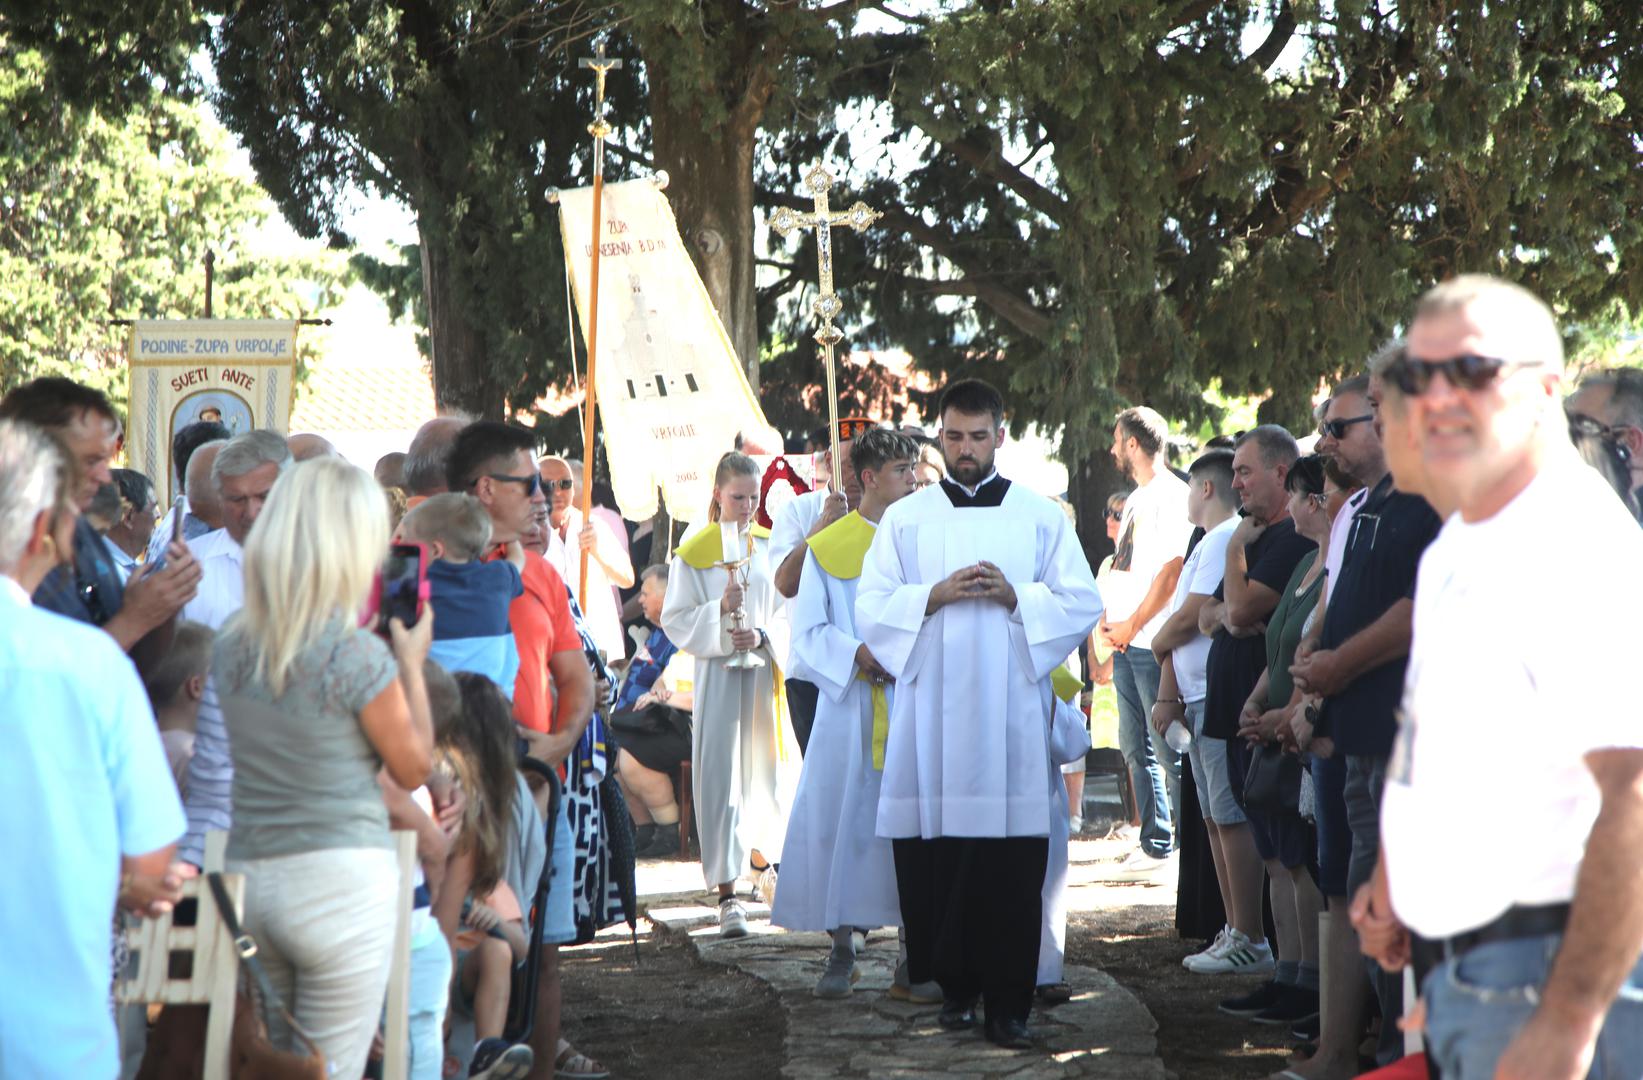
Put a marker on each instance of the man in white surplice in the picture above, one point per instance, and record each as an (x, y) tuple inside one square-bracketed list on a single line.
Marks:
[(973, 592)]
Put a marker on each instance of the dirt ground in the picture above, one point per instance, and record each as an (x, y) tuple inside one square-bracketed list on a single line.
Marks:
[(670, 1016), (1138, 946)]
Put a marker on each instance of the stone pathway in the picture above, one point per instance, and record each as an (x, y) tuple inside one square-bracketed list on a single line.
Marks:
[(1103, 1032)]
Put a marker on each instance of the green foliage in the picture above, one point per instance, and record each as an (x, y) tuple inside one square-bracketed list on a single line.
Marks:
[(107, 212)]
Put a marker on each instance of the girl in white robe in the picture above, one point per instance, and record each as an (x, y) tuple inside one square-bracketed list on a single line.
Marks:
[(744, 761)]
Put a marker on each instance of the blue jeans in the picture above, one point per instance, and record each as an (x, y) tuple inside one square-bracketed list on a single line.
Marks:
[(1476, 1003), (1155, 769)]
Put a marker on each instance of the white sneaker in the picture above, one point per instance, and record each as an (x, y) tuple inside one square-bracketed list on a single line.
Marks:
[(732, 918), (1204, 954), (1139, 866), (1238, 956)]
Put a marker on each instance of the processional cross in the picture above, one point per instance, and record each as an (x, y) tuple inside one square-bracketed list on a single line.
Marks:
[(818, 181)]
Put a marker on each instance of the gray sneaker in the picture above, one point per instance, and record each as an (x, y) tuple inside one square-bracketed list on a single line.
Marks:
[(924, 993), (838, 978), (732, 918)]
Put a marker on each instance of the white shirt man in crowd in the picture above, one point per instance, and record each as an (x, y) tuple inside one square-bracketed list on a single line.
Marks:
[(1512, 821), (954, 573), (99, 817), (185, 444), (1183, 649), (1152, 544), (243, 473), (609, 566)]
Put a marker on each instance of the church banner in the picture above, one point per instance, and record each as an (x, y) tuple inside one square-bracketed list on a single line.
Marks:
[(240, 372), (672, 395)]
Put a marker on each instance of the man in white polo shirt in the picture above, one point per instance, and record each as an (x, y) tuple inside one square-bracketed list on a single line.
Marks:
[(1512, 823), (1152, 545)]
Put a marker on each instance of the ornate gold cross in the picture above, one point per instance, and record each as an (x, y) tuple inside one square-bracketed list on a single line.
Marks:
[(818, 181), (600, 65)]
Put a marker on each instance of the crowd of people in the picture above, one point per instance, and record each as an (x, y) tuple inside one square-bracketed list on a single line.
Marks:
[(1335, 718)]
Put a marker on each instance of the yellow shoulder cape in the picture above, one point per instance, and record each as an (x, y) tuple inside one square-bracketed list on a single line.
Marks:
[(842, 546), (703, 550)]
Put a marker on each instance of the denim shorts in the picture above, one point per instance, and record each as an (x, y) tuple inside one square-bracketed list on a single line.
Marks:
[(1210, 774), (1365, 780), (1476, 1002), (560, 925)]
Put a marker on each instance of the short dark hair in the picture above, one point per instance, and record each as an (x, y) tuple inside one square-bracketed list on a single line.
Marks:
[(190, 655), (1306, 476), (972, 397), (135, 488), (1277, 445), (1357, 385), (106, 503), (480, 444), (1216, 467), (876, 448), (1149, 430), (1221, 442), (53, 402), (189, 438)]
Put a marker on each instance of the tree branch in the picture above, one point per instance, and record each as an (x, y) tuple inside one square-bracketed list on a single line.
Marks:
[(1283, 28), (990, 161), (1012, 307)]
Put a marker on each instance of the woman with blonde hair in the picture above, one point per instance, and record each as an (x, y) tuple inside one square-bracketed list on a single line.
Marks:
[(744, 760), (315, 707)]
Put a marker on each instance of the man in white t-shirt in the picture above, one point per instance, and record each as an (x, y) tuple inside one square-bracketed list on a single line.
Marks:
[(1512, 820), (1183, 651), (1152, 544)]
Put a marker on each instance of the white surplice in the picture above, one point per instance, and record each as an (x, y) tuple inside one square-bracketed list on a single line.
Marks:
[(1069, 741), (744, 763), (968, 753), (836, 870)]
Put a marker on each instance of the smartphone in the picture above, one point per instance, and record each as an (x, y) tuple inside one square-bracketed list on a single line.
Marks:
[(402, 586), (177, 514)]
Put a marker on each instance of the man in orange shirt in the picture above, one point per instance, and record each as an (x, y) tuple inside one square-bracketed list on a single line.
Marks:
[(553, 693)]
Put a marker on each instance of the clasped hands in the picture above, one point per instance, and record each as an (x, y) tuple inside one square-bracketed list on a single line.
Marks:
[(983, 581)]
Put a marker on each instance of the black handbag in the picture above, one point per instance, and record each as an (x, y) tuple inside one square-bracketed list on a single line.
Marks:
[(1272, 785)]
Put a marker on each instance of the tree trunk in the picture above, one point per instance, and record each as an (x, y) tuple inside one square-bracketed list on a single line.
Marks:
[(462, 377), (711, 189)]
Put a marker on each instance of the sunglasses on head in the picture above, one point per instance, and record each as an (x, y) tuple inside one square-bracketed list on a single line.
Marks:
[(1336, 429), (1463, 372)]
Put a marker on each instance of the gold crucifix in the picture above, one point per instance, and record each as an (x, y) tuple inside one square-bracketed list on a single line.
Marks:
[(818, 181), (599, 129)]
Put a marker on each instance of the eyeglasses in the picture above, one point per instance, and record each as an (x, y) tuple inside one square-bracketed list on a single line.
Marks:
[(1336, 429), (564, 484), (533, 482), (1463, 372), (1581, 424)]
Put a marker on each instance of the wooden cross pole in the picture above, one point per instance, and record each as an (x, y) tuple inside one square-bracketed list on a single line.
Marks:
[(818, 181), (598, 129)]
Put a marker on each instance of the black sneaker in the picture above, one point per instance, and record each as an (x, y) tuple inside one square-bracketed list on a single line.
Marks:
[(664, 844), (1306, 1030), (643, 835), (1294, 1004), (1255, 1002)]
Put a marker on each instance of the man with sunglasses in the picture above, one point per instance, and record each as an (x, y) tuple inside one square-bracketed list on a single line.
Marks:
[(1512, 820), (1358, 664), (1612, 399)]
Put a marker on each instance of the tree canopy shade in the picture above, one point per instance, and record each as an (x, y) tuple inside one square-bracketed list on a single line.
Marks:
[(106, 211)]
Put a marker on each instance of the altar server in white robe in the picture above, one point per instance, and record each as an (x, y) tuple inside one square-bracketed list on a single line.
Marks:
[(1069, 742), (973, 592), (837, 873), (744, 761)]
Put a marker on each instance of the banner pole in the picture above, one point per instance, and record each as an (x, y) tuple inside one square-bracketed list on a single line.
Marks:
[(598, 129)]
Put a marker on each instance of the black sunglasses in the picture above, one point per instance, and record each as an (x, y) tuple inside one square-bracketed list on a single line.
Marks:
[(533, 482), (563, 484), (1463, 372), (1336, 429), (1115, 515), (1581, 424)]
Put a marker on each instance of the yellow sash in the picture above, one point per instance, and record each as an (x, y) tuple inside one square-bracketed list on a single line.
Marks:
[(1065, 684), (881, 719), (706, 547), (842, 546)]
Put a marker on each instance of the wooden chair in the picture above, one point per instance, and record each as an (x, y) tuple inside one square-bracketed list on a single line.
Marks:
[(205, 951)]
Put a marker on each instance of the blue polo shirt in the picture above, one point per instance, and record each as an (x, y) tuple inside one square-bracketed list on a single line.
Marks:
[(87, 783), (1384, 544)]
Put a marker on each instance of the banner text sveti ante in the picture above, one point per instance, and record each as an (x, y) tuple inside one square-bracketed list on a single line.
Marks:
[(237, 373)]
